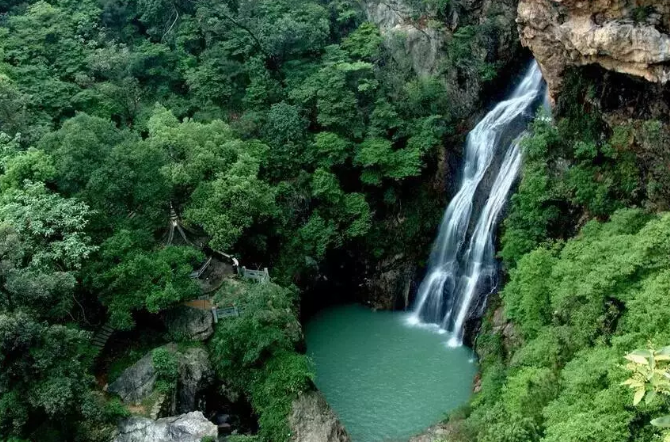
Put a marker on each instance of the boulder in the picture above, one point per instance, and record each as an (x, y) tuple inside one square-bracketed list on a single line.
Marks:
[(136, 382), (196, 374), (190, 427), (312, 420), (188, 323)]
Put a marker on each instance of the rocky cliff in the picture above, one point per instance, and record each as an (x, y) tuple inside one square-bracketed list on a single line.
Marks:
[(471, 46), (430, 42), (626, 36), (312, 420)]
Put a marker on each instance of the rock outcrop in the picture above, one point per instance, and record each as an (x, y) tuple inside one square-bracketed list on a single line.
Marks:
[(312, 420), (392, 283), (419, 44), (188, 323), (191, 427), (626, 36), (195, 375), (436, 433), (138, 381), (417, 37)]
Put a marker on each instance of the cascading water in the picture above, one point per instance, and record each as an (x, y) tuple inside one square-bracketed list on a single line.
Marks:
[(462, 264)]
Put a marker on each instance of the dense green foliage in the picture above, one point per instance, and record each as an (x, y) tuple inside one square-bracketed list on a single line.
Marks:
[(577, 309), (258, 352), (284, 132), (280, 131), (569, 174), (650, 378), (587, 284)]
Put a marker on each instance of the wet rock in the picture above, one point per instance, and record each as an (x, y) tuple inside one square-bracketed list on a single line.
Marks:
[(390, 284), (188, 323), (312, 420), (191, 427), (195, 376)]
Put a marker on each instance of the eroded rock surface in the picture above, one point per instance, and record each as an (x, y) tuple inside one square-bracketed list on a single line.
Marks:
[(195, 375), (188, 323), (138, 381), (422, 40), (626, 36), (191, 427), (392, 283), (419, 44), (312, 420)]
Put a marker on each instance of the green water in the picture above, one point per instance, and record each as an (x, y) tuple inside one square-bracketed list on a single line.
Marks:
[(386, 380)]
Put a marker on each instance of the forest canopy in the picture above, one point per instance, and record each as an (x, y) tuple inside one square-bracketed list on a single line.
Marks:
[(285, 132), (280, 131)]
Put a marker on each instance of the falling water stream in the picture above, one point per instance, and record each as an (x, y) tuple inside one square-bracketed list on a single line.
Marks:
[(387, 381), (462, 265)]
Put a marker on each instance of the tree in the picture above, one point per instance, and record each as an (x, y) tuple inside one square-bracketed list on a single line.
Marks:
[(379, 161), (650, 374), (256, 350), (44, 367), (132, 274), (80, 148), (228, 205), (213, 174)]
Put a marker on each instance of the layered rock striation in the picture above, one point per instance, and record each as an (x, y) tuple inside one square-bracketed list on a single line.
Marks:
[(626, 36)]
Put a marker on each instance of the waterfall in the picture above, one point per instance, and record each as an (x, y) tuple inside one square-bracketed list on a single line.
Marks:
[(462, 265)]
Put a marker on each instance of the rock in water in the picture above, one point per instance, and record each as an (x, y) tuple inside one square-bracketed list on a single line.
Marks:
[(191, 427), (312, 420), (188, 323)]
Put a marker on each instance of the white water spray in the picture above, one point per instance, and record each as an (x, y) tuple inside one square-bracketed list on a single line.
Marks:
[(462, 265)]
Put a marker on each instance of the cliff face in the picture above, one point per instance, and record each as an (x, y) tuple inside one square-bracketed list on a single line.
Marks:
[(426, 41), (626, 36), (422, 44), (312, 420), (471, 46)]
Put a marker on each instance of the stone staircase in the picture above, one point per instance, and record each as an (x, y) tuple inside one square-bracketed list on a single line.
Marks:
[(101, 337)]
